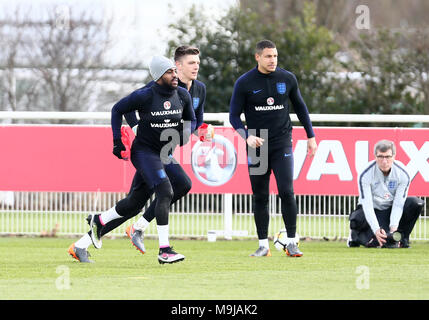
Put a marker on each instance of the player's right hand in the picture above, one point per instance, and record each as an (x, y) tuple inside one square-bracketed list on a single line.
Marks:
[(254, 142), (118, 146), (381, 236), (311, 146)]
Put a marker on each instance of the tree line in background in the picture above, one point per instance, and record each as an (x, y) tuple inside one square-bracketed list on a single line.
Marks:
[(59, 62), (376, 71)]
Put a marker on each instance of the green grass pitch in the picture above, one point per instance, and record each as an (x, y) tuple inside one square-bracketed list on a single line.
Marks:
[(40, 268)]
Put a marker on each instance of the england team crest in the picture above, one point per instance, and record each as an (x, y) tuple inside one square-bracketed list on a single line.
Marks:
[(281, 87), (392, 184), (196, 102)]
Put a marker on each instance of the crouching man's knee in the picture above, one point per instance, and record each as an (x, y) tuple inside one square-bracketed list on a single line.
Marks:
[(414, 204), (360, 231), (357, 220)]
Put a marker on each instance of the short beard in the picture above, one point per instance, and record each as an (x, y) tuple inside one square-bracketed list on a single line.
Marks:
[(167, 85)]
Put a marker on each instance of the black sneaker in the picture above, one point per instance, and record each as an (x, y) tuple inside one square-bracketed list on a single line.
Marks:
[(404, 243), (392, 245), (168, 255), (351, 243), (372, 243), (96, 227)]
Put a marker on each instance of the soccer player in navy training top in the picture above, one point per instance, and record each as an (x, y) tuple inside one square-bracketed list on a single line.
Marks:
[(262, 95), (162, 106), (187, 63)]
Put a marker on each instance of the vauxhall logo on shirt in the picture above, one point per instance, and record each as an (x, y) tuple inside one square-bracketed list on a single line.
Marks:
[(167, 122), (167, 111), (270, 106)]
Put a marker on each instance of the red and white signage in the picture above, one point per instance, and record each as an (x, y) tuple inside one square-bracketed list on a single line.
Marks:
[(78, 158)]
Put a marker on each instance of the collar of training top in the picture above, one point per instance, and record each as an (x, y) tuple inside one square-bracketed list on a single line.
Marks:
[(163, 90)]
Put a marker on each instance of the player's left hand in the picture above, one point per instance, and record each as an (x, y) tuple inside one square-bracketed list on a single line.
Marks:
[(210, 133), (311, 146), (206, 132)]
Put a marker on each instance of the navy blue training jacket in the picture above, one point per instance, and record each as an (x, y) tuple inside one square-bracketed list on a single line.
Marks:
[(198, 95), (263, 98), (159, 108)]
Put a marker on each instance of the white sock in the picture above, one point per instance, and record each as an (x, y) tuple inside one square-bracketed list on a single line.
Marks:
[(264, 243), (163, 236), (83, 242), (141, 224), (109, 215)]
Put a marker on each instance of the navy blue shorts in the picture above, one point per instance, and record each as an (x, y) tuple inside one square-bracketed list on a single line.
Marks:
[(149, 165)]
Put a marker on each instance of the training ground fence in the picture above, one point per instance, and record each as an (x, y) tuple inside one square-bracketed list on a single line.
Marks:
[(227, 214)]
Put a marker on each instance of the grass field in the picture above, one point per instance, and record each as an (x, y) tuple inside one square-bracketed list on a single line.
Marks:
[(40, 268), (186, 225)]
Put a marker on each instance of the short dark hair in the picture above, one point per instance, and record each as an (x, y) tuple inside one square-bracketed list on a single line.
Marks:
[(185, 50), (261, 45), (384, 146)]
